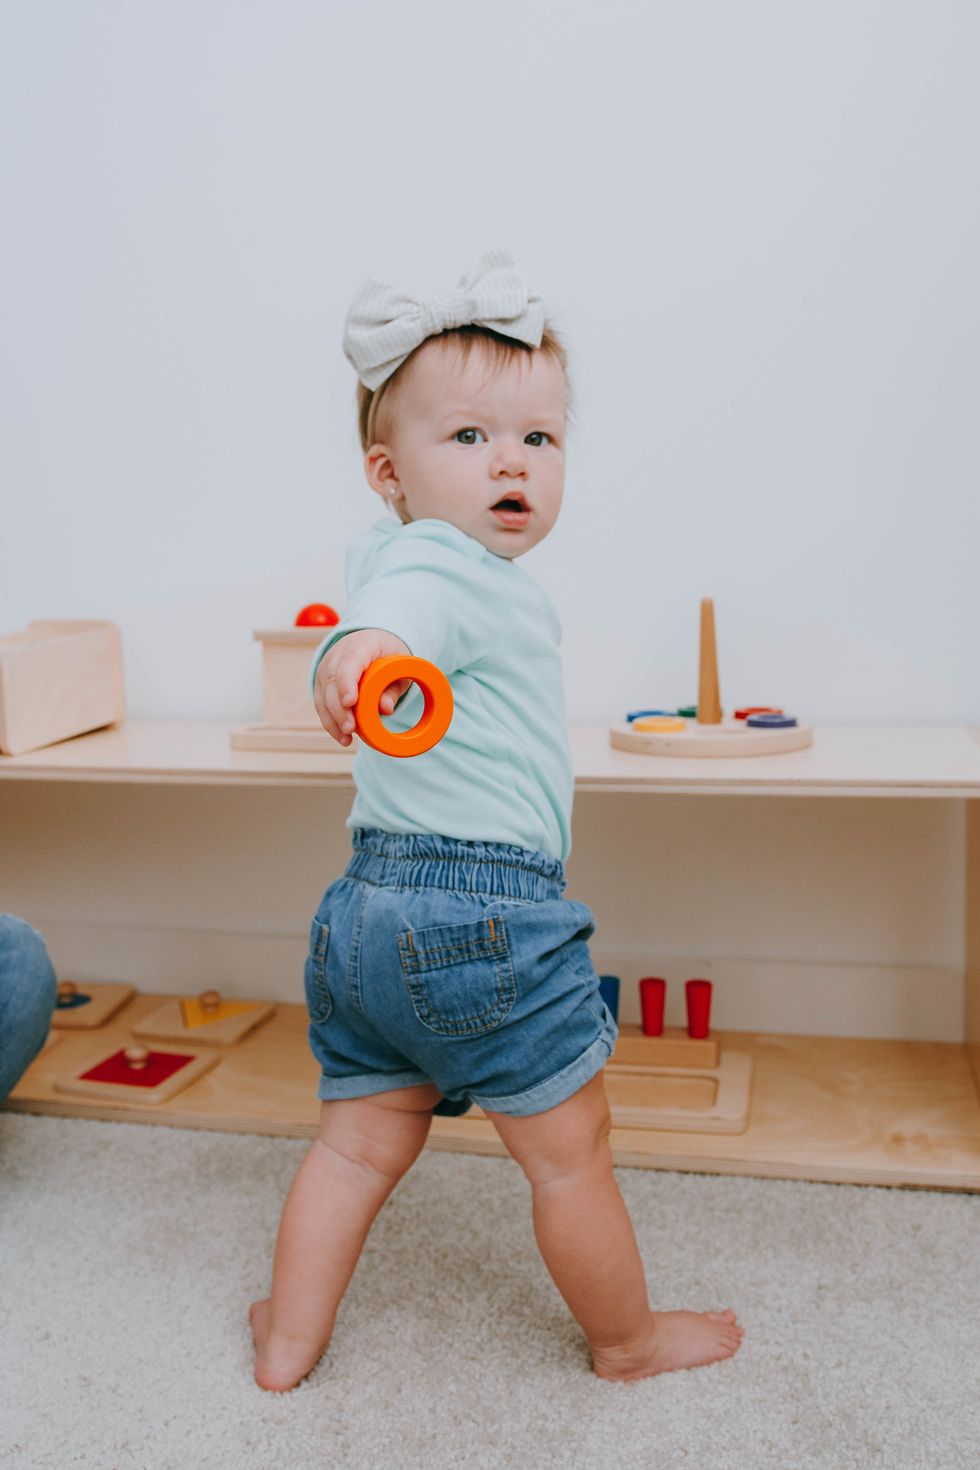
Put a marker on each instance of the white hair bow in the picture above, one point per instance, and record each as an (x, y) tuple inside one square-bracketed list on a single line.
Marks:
[(385, 324)]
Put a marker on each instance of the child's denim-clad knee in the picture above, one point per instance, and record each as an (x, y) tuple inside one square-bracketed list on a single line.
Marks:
[(458, 963), (28, 990)]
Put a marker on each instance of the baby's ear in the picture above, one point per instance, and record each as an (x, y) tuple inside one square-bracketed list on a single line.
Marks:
[(379, 470)]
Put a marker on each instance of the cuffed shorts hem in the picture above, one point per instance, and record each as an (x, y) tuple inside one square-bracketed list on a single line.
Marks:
[(555, 1089), (367, 1084)]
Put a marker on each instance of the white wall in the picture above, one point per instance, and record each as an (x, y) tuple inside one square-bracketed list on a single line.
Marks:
[(756, 225)]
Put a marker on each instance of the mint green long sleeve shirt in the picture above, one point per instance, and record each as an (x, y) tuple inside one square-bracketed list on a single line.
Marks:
[(503, 771)]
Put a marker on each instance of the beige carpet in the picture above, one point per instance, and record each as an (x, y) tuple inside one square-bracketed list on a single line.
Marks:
[(128, 1257)]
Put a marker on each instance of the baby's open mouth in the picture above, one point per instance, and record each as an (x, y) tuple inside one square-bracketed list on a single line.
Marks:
[(512, 510)]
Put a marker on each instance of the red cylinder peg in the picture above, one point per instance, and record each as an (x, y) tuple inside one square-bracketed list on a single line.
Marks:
[(653, 991), (698, 996)]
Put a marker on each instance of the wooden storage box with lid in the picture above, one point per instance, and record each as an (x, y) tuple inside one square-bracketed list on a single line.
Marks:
[(59, 679)]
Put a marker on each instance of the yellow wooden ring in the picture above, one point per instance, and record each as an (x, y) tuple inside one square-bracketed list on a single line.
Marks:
[(437, 713), (662, 724)]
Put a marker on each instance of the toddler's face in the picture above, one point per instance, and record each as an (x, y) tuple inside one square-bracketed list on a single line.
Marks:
[(486, 453)]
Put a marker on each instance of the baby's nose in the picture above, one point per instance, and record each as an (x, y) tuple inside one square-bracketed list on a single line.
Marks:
[(511, 460)]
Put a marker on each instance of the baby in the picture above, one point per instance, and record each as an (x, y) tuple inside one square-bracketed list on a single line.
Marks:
[(445, 967)]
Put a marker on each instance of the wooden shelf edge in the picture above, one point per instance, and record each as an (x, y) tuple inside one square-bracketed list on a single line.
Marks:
[(628, 1158), (445, 1137), (938, 762), (829, 1109)]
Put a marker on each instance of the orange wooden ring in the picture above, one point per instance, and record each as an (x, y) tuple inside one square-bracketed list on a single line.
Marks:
[(436, 715)]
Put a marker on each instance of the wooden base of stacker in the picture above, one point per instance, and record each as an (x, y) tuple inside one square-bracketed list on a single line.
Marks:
[(729, 738)]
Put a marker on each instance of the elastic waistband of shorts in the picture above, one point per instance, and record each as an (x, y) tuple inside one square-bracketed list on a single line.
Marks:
[(425, 860)]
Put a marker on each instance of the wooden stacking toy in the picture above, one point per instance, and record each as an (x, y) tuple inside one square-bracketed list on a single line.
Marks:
[(703, 730)]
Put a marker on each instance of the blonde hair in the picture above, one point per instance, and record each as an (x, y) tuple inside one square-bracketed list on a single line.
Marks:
[(376, 406)]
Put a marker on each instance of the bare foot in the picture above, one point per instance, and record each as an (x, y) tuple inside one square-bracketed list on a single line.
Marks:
[(280, 1362), (672, 1340)]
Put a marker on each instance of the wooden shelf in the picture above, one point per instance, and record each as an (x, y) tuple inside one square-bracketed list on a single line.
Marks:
[(844, 760), (831, 1109)]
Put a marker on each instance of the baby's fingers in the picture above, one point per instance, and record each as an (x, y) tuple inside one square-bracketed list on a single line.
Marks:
[(328, 707), (333, 700), (393, 694), (347, 676)]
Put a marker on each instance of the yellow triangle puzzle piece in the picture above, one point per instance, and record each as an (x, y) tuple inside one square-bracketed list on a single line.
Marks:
[(194, 1013)]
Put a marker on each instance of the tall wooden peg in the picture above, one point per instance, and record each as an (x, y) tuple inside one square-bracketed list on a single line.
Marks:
[(709, 699)]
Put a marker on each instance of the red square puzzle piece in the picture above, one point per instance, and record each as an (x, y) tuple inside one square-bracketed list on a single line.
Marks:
[(159, 1066)]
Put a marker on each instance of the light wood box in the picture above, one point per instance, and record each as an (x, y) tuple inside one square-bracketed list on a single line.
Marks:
[(286, 657), (289, 719), (57, 680)]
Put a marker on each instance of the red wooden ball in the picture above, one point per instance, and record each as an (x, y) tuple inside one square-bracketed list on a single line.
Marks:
[(316, 615)]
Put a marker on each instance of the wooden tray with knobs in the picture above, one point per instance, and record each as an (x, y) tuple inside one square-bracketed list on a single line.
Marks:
[(677, 1079), (678, 1082), (136, 1075), (75, 1013), (709, 734), (208, 1020)]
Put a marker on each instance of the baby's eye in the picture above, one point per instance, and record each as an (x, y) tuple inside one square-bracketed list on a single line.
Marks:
[(538, 434), (468, 431)]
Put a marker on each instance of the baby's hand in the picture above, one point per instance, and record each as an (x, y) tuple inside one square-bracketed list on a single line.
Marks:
[(339, 673)]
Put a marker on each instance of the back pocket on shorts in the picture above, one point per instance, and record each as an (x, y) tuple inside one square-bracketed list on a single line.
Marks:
[(459, 976), (318, 1001)]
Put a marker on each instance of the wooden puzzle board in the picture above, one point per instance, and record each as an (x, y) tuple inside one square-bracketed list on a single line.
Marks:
[(679, 1099), (838, 1109), (75, 1082), (166, 1023), (673, 1048), (685, 1099), (107, 997)]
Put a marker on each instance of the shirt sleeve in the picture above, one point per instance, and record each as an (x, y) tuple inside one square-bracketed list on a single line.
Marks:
[(428, 587)]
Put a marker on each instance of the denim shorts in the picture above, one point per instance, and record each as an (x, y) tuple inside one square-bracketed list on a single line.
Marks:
[(458, 963)]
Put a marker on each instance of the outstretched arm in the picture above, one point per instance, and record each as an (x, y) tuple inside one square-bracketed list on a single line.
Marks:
[(339, 673)]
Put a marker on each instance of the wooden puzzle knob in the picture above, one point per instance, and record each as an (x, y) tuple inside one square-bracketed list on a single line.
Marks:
[(66, 989), (209, 1000), (136, 1057)]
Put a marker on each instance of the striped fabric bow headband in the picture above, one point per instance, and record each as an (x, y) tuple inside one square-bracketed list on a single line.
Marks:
[(384, 324)]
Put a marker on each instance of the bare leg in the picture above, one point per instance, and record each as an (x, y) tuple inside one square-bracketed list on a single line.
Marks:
[(585, 1235), (363, 1148)]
